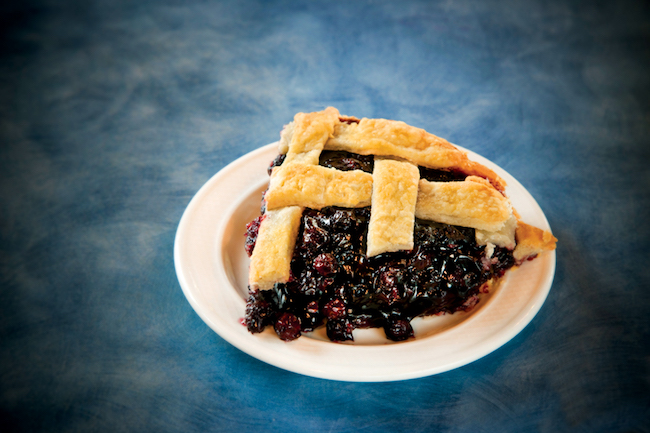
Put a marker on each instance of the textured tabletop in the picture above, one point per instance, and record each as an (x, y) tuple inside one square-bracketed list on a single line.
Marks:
[(114, 113)]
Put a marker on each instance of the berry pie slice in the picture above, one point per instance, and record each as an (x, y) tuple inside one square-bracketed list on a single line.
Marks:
[(371, 223)]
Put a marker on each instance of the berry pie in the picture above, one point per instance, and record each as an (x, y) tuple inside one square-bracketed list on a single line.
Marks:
[(371, 223)]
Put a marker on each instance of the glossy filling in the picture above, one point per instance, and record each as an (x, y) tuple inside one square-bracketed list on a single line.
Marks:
[(334, 284)]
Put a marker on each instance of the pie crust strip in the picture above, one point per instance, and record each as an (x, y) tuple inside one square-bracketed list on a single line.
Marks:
[(469, 203), (532, 241), (316, 187), (392, 214), (276, 239), (395, 138), (307, 136)]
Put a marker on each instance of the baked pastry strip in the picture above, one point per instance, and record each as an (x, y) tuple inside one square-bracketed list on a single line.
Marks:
[(392, 215), (303, 140), (532, 241), (276, 239), (504, 237), (316, 187), (395, 138), (469, 203)]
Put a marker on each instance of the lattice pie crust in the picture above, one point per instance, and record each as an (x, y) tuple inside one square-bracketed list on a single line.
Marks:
[(394, 191)]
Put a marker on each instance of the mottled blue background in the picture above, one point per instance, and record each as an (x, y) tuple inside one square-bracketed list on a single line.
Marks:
[(114, 113)]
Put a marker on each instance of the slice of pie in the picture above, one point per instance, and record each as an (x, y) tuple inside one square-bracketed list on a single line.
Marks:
[(371, 223)]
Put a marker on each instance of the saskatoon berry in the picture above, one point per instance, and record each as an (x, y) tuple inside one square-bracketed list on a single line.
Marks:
[(350, 164), (259, 312), (310, 321), (252, 229), (325, 264), (287, 327), (334, 309), (398, 329), (276, 162), (390, 283), (342, 241), (421, 261), (339, 330), (314, 238), (341, 220)]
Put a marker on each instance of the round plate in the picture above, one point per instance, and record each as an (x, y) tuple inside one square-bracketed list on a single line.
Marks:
[(212, 269)]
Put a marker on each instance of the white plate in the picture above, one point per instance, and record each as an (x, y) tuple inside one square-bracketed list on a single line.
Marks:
[(212, 269)]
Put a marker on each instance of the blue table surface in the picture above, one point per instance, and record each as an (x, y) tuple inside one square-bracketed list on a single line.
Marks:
[(114, 113)]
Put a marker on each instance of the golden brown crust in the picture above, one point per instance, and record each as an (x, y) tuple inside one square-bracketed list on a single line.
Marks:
[(276, 239), (392, 215), (473, 168), (394, 189), (469, 203), (394, 138), (309, 134), (504, 237), (532, 241), (316, 187)]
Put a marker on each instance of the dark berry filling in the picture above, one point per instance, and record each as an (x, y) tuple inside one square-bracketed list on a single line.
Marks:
[(333, 281), (252, 228), (276, 162), (349, 120), (334, 284), (345, 161), (434, 175)]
